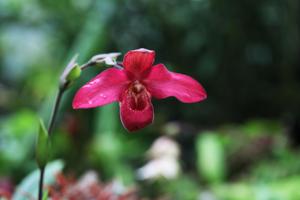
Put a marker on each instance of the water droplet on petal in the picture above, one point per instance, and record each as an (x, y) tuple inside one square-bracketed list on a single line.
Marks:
[(103, 96), (90, 102), (94, 82), (86, 86)]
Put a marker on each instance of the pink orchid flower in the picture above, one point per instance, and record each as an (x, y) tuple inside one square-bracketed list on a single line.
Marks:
[(134, 86)]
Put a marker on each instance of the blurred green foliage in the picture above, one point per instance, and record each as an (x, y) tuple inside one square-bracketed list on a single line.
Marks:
[(241, 143), (210, 160)]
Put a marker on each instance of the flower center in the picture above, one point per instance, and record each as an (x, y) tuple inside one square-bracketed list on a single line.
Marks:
[(138, 96), (137, 87)]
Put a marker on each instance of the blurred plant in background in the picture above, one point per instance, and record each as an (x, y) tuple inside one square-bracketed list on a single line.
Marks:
[(242, 143)]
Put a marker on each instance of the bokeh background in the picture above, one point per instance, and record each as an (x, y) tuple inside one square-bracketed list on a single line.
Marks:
[(241, 143)]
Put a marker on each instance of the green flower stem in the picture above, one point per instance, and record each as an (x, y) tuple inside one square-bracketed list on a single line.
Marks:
[(88, 64), (41, 182), (55, 109), (119, 65), (50, 129)]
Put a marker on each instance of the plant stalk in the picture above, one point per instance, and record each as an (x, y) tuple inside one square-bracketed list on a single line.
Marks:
[(50, 129), (41, 182)]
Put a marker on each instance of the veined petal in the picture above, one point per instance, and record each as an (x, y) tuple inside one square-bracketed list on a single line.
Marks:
[(105, 88), (162, 83), (138, 62), (136, 110)]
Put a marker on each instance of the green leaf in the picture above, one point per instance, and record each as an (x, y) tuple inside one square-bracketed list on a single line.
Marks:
[(42, 145), (29, 185)]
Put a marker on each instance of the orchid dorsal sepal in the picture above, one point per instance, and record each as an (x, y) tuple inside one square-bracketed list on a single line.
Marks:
[(42, 147)]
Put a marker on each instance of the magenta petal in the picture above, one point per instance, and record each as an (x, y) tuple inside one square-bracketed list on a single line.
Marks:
[(162, 83), (136, 111), (105, 88), (137, 62)]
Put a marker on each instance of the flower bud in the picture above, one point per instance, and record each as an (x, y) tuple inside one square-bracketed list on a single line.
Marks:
[(74, 73), (71, 73)]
